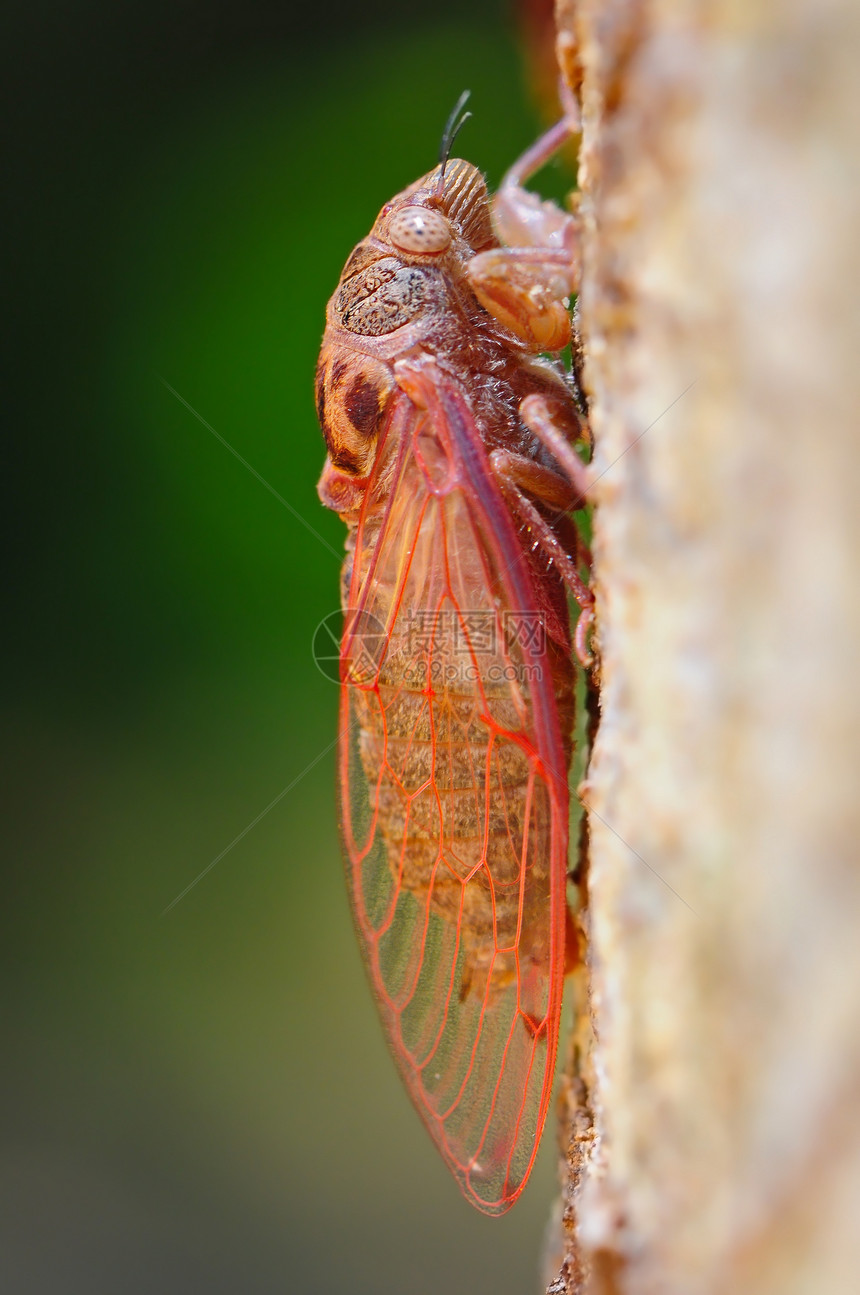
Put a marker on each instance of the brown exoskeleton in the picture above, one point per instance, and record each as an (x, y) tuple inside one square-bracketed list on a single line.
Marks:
[(450, 458)]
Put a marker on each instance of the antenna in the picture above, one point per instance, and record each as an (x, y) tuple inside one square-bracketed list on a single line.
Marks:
[(452, 129)]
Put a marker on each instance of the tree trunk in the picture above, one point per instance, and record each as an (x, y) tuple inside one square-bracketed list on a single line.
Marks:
[(715, 1123)]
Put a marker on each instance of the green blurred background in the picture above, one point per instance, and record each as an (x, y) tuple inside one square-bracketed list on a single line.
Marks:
[(202, 1101)]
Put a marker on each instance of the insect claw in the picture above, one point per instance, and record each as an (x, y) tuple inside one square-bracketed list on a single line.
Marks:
[(580, 642)]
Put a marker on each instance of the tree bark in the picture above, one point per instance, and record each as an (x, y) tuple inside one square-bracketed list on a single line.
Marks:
[(713, 1124)]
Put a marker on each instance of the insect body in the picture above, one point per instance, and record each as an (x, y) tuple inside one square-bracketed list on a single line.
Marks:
[(450, 460)]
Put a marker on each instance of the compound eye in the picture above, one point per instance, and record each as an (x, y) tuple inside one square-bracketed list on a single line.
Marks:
[(418, 229)]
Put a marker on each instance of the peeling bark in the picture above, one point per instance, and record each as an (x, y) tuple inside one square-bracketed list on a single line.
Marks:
[(721, 200)]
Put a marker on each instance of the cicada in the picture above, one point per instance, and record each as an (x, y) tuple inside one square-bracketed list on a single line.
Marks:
[(450, 430)]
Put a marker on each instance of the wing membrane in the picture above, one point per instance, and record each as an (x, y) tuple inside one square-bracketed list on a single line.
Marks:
[(454, 805)]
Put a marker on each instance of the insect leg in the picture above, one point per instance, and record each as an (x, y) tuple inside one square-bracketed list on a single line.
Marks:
[(546, 538), (545, 484), (539, 153), (520, 218), (528, 283), (554, 493), (528, 289), (569, 103), (555, 426), (531, 295)]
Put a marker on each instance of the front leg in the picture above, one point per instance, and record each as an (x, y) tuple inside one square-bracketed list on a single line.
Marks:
[(527, 284), (528, 289)]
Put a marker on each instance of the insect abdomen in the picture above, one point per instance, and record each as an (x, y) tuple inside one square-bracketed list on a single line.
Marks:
[(451, 777)]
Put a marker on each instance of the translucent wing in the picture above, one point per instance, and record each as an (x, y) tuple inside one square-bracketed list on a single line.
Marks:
[(456, 703)]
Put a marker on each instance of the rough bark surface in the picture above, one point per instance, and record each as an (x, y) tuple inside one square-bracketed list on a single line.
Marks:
[(721, 199)]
